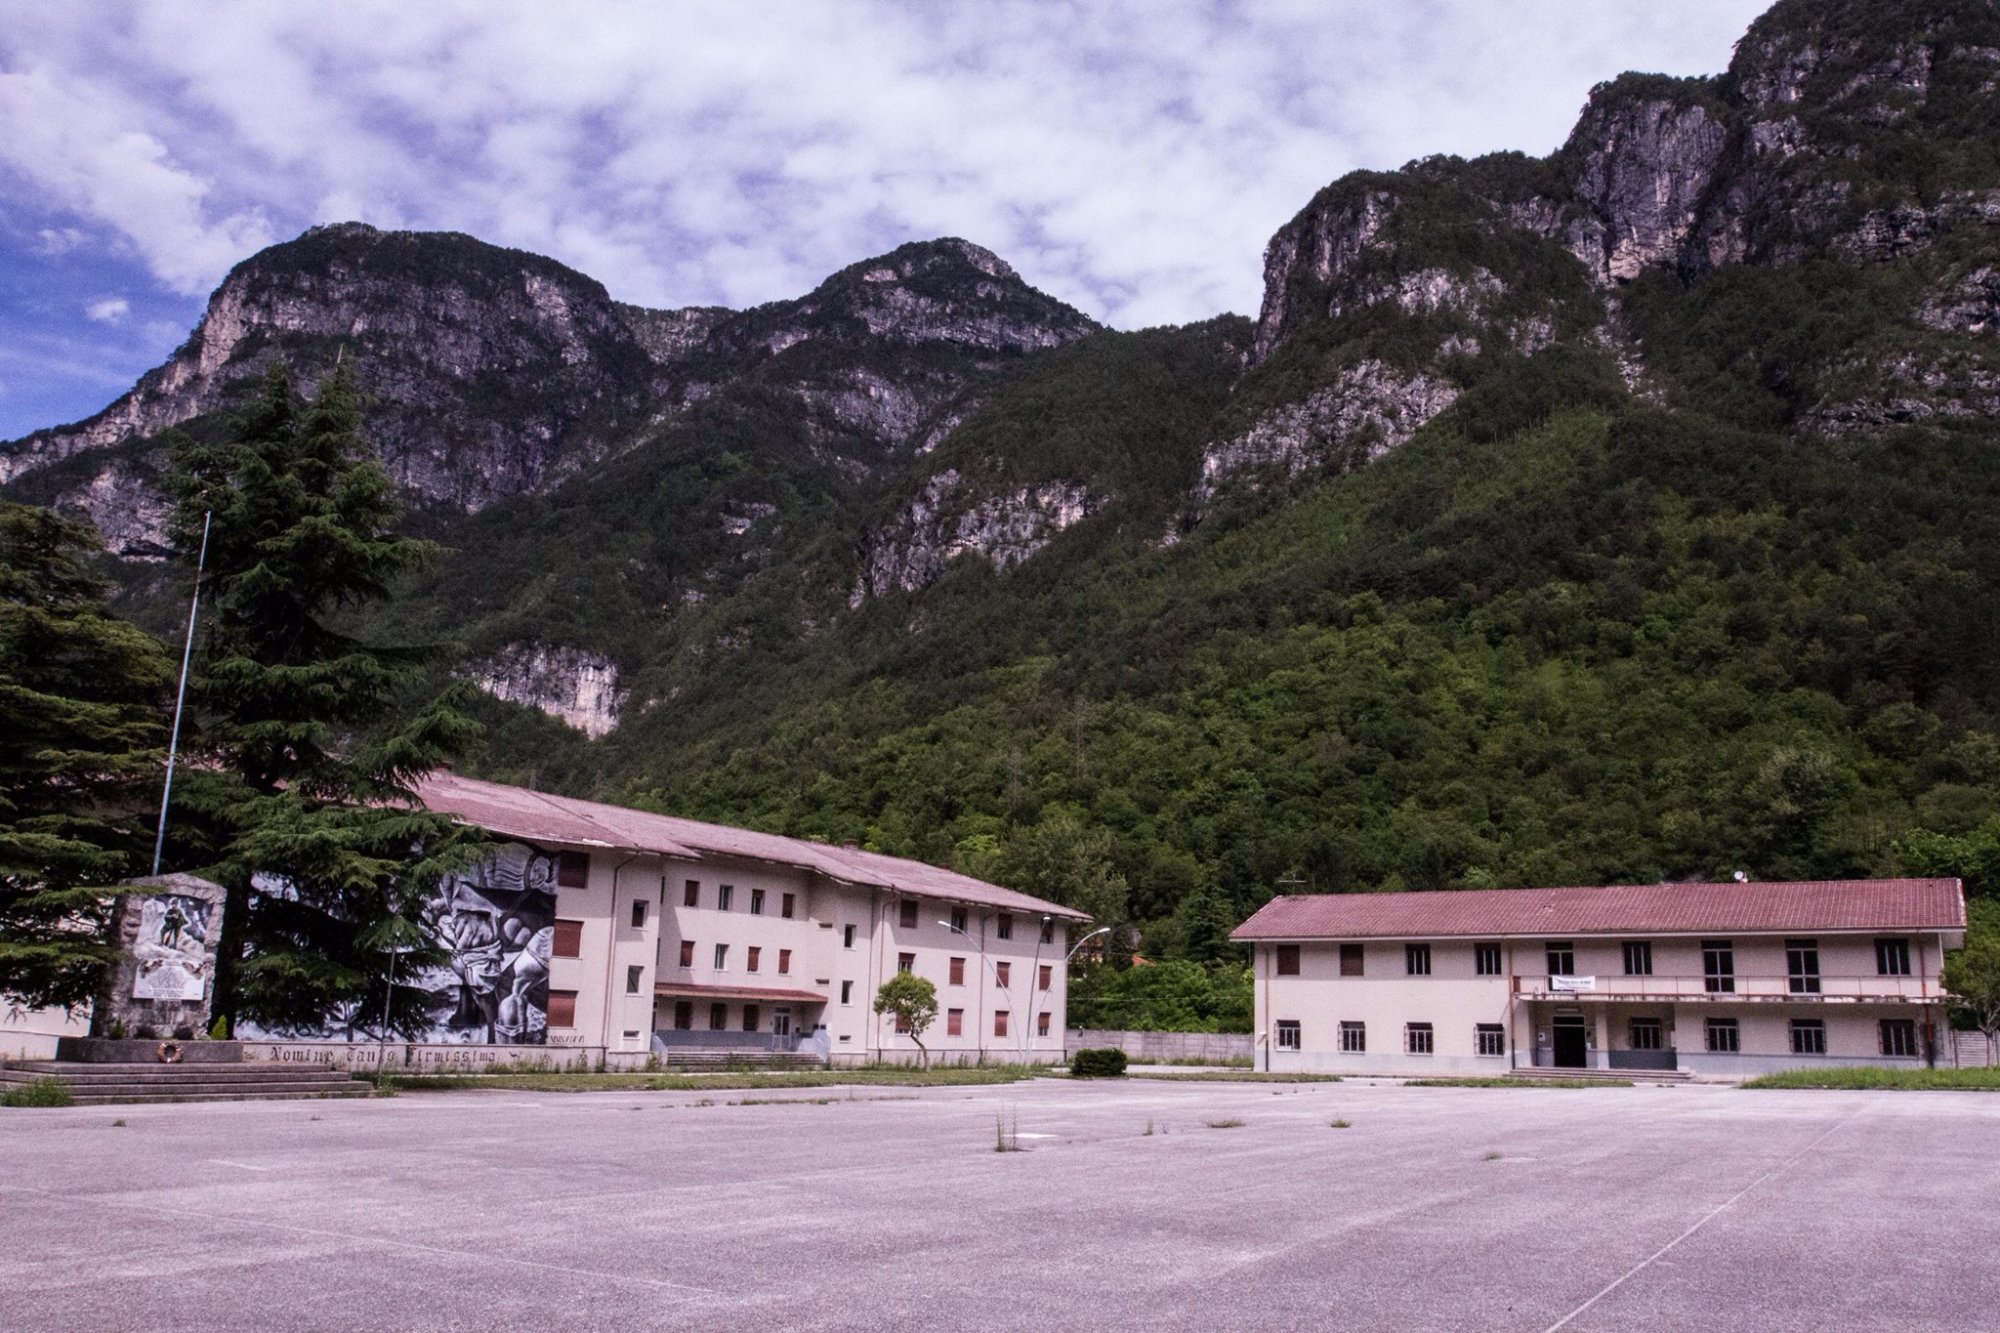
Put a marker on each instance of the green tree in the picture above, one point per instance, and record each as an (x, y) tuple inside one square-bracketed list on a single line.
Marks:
[(1973, 857), (1972, 974), (80, 736), (1068, 861), (913, 1002), (305, 808)]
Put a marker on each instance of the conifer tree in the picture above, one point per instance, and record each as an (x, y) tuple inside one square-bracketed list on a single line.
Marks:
[(305, 808), (80, 751)]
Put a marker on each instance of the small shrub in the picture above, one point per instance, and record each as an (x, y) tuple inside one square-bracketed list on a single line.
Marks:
[(1338, 1124), (1492, 1155), (1098, 1062), (1231, 1123), (42, 1092), (119, 1123)]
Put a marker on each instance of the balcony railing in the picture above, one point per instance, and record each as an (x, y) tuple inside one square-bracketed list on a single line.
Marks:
[(1756, 989)]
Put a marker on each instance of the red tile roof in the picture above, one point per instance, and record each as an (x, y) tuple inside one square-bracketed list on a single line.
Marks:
[(539, 817), (1624, 909), (695, 991)]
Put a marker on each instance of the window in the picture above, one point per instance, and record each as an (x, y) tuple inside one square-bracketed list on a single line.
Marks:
[(1417, 959), (725, 894), (847, 992), (683, 1015), (1003, 926), (638, 914), (1648, 1034), (1562, 958), (1486, 960), (787, 905), (1417, 1038), (906, 962), (1287, 1034), (753, 956), (954, 1022), (1354, 1037), (687, 953), (1723, 1036), (958, 971), (1899, 1036), (847, 936), (750, 1017), (1048, 930), (756, 902), (1718, 967), (784, 962), (633, 976), (721, 957), (1892, 958), (1002, 973), (1802, 966), (958, 919), (562, 1008), (691, 895), (718, 1017), (573, 870), (1350, 960), (1808, 1036), (1638, 958), (1042, 1024), (908, 919), (1000, 1022), (1048, 975), (1489, 1039), (568, 941), (1288, 960)]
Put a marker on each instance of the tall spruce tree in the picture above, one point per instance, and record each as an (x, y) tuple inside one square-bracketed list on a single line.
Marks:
[(80, 750), (313, 739)]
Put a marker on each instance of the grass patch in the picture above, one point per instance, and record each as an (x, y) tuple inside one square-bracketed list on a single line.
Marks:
[(1517, 1083), (1338, 1124), (1982, 1079), (1006, 1133), (580, 1081), (1492, 1155), (1231, 1123), (42, 1092)]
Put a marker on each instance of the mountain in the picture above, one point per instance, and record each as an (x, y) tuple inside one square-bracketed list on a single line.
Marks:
[(1628, 513)]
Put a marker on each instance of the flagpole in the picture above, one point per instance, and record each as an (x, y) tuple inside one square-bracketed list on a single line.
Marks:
[(180, 696)]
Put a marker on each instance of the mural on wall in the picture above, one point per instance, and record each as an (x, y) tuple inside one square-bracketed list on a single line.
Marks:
[(498, 921), (171, 951)]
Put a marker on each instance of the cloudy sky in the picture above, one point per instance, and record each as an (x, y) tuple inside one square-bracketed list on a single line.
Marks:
[(1130, 156)]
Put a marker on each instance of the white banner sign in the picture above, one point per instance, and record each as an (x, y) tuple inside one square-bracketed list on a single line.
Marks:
[(1572, 983)]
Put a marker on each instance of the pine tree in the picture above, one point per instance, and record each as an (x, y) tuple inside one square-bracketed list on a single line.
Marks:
[(80, 751), (305, 810)]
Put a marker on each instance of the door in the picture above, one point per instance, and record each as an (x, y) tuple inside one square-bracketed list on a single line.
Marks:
[(1569, 1042), (781, 1022)]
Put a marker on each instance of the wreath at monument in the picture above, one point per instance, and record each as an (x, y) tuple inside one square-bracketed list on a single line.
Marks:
[(169, 1052)]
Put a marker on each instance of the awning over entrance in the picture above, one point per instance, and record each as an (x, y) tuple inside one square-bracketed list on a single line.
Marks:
[(682, 990)]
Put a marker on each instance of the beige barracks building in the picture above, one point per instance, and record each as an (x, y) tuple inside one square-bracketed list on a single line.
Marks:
[(1715, 979), (671, 934)]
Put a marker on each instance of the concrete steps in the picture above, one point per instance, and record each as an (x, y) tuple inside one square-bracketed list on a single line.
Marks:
[(105, 1084), (1538, 1074), (713, 1060)]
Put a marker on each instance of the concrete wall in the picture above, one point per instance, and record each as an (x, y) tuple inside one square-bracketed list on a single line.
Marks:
[(1155, 1047), (31, 1034)]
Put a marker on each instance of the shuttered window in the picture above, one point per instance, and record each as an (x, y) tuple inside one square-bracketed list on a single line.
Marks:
[(562, 1008), (572, 870), (568, 942)]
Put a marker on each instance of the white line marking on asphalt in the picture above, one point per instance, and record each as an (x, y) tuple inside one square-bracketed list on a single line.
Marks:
[(1706, 1218), (446, 1251), (240, 1166)]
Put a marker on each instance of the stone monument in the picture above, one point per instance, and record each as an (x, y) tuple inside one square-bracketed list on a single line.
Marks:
[(163, 979)]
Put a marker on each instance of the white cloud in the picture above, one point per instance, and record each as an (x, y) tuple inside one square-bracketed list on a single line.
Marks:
[(109, 310), (1130, 156)]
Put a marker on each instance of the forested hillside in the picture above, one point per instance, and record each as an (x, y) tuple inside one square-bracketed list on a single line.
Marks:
[(1627, 514)]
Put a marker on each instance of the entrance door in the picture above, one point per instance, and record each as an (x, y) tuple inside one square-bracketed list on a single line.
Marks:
[(1569, 1043), (781, 1022)]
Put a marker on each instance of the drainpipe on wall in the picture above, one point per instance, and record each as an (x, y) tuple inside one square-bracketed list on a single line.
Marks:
[(611, 951)]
